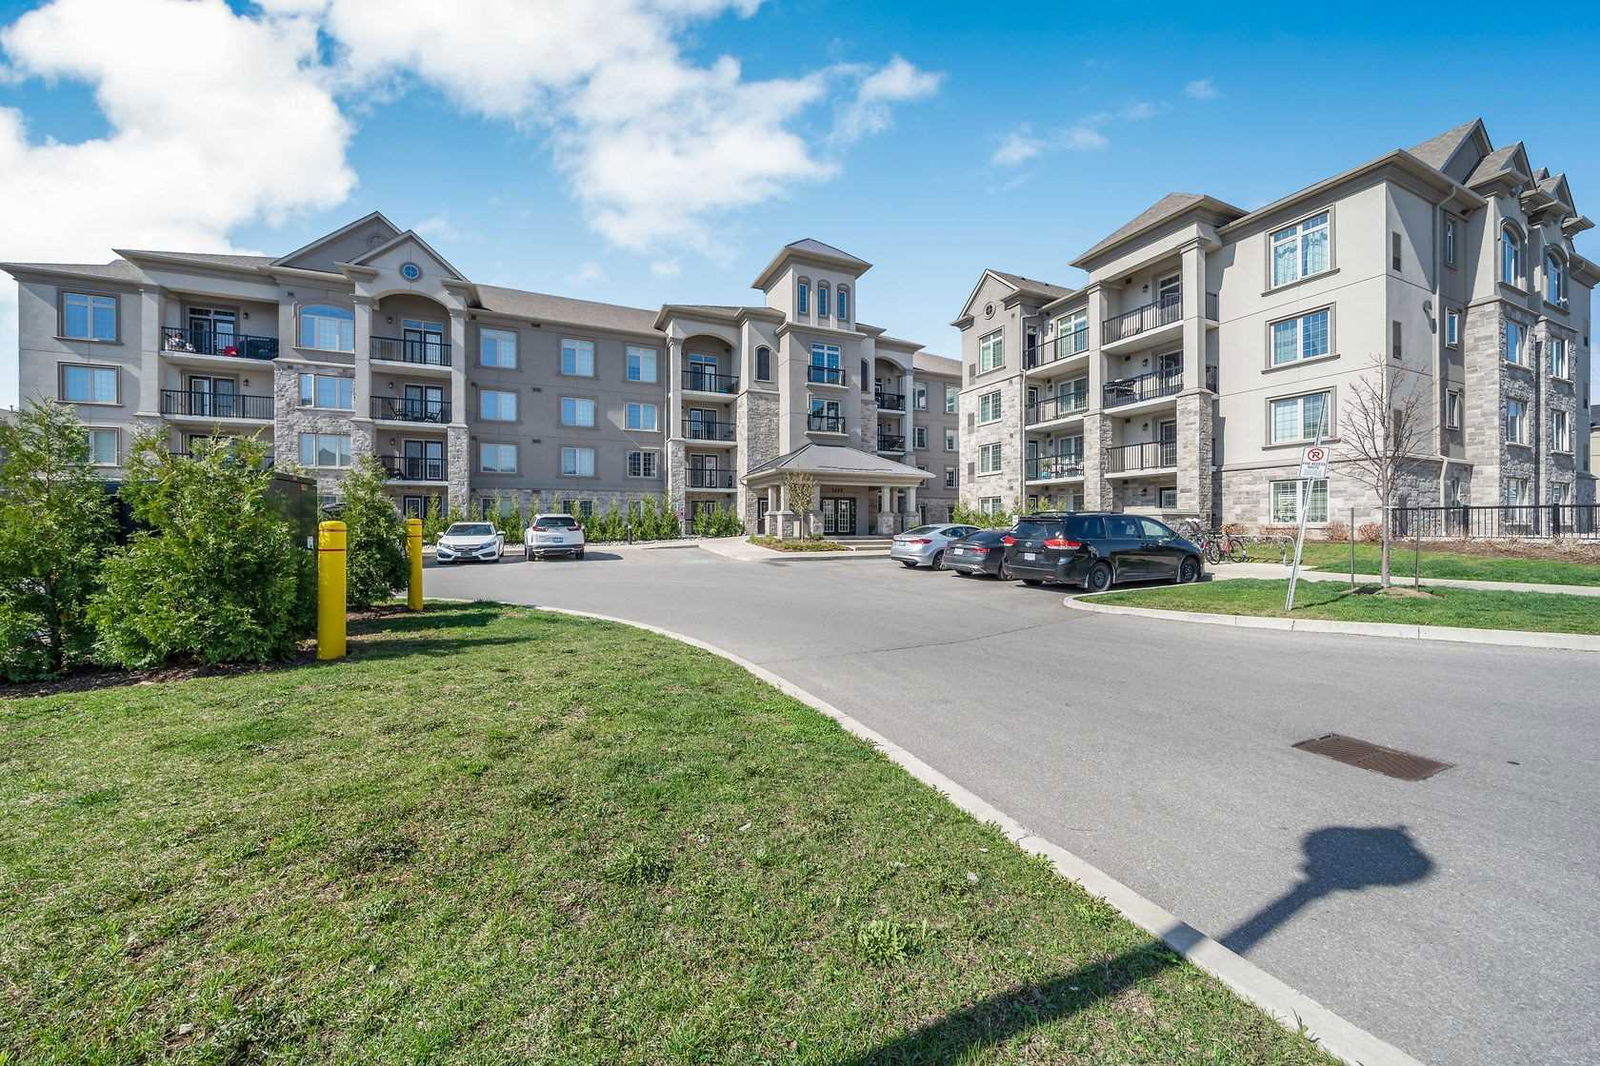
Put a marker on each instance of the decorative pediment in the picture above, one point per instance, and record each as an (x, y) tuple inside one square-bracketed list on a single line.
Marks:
[(344, 245), (404, 251)]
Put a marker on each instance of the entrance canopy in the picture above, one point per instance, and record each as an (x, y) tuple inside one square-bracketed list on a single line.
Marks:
[(835, 464)]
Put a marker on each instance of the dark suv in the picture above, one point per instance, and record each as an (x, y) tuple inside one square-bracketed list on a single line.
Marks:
[(1095, 549)]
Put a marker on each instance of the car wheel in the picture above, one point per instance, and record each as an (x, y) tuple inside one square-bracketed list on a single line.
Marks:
[(1032, 581), (1188, 570), (1098, 579), (938, 561), (578, 554)]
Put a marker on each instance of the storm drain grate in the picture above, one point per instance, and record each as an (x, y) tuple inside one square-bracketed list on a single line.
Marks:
[(1374, 757)]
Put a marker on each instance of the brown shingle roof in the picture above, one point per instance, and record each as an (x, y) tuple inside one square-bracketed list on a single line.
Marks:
[(1033, 286), (565, 309), (1437, 150)]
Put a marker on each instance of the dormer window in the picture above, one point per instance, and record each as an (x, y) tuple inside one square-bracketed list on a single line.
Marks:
[(842, 304), (1510, 254), (802, 297), (822, 299), (1555, 278)]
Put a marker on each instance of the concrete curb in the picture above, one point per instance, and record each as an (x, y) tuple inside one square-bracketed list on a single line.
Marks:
[(1292, 1009), (1508, 638)]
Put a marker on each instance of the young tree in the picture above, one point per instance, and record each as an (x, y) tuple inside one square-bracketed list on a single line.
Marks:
[(799, 486), (1385, 426), (55, 528), (374, 536)]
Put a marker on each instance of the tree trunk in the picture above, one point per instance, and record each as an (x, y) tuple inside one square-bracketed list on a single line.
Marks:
[(1383, 563)]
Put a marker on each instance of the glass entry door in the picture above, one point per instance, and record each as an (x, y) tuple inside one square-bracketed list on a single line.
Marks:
[(424, 403), (838, 515), (424, 460), (213, 397), (424, 341), (212, 330)]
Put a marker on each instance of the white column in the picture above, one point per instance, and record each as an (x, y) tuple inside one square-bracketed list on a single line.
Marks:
[(1194, 326)]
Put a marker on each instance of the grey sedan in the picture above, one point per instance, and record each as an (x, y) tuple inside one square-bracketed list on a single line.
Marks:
[(925, 545)]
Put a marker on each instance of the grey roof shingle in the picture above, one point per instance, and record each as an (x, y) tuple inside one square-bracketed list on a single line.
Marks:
[(1495, 164), (1169, 206), (1437, 150), (835, 459), (208, 258), (1033, 286), (116, 270), (816, 247), (565, 309), (936, 364)]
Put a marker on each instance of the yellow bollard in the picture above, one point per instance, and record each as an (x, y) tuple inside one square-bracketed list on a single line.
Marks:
[(414, 555), (330, 590)]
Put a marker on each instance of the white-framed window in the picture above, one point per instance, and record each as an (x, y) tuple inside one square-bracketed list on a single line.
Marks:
[(989, 458), (497, 347), (1516, 421), (497, 458), (1072, 333), (1558, 493), (1561, 431), (1517, 491), (990, 505), (577, 411), (87, 316), (1302, 337), (1452, 409), (1452, 327), (641, 363), (1515, 343), (327, 390), (822, 299), (324, 449), (991, 351), (802, 297), (642, 416), (1286, 502), (950, 442), (81, 383), (327, 328), (952, 399), (105, 446), (1555, 278), (989, 407), (1449, 241), (497, 405), (577, 358), (763, 363), (841, 304), (949, 477), (577, 462), (1296, 418), (1559, 365), (642, 464), (919, 397), (919, 438), (1510, 254), (1301, 250)]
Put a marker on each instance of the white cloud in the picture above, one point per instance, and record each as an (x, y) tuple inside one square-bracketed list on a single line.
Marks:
[(215, 120), (666, 268), (897, 81), (1085, 139), (1021, 145), (587, 273), (1200, 89), (1016, 148), (436, 228)]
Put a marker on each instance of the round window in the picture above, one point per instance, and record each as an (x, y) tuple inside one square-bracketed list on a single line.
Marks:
[(410, 271), (988, 310)]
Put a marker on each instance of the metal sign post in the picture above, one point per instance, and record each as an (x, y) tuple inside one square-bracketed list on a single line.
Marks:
[(1313, 467)]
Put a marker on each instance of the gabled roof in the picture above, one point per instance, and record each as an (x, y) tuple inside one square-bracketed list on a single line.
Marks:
[(116, 270), (1556, 185), (538, 305), (221, 259), (1168, 207), (1033, 286), (837, 460), (327, 238), (401, 238), (809, 248), (1438, 150), (1508, 162), (936, 364)]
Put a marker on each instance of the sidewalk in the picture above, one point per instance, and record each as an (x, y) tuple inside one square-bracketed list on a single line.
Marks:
[(1276, 572)]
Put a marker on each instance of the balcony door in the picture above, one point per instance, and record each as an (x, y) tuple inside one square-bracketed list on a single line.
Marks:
[(423, 403), (424, 341), (424, 460), (705, 471), (213, 396), (702, 423), (213, 330), (1169, 290), (1169, 443), (702, 372)]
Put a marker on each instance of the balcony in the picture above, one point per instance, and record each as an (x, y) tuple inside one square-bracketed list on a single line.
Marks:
[(1132, 458), (407, 409), (1061, 405), (180, 403), (1066, 346), (825, 375), (1162, 312), (1055, 467), (710, 478), (188, 340), (887, 443), (423, 351), (695, 380), (703, 429), (820, 423), (890, 401), (413, 468), (1151, 386)]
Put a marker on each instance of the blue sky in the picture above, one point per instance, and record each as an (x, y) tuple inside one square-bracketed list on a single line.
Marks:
[(1121, 106)]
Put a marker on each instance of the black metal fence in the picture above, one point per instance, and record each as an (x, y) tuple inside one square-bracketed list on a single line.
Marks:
[(1579, 521), (200, 340), (206, 404)]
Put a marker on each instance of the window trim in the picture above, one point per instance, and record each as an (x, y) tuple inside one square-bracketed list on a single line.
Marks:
[(516, 348), (1521, 350), (628, 352), (300, 313), (759, 376), (1449, 240), (841, 304), (802, 296), (1556, 254), (317, 435), (61, 382), (627, 416), (1521, 440), (999, 407), (594, 357), (1453, 398), (1332, 417), (1520, 280), (516, 403), (1333, 259), (516, 457), (301, 405), (91, 294), (999, 454), (1272, 500), (1452, 327), (952, 399), (1000, 336), (116, 431), (1300, 316), (1557, 445), (1566, 359), (594, 412), (655, 472), (577, 450)]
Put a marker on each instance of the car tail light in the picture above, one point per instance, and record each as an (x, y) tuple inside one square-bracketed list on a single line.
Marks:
[(1062, 542), (1008, 539), (918, 540), (978, 551), (541, 529)]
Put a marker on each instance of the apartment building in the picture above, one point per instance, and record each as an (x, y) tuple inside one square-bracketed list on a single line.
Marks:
[(1209, 343), (368, 341)]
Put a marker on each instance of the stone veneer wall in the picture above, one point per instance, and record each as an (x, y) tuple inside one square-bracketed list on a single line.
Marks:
[(290, 420), (1008, 483), (756, 418), (1197, 422)]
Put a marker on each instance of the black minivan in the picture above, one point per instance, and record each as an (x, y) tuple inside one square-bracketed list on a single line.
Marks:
[(1095, 549)]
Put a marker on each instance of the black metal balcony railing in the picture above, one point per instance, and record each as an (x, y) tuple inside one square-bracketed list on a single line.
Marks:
[(1063, 347), (703, 429), (413, 467), (890, 401), (710, 381), (428, 351), (819, 423), (410, 409), (216, 404), (1052, 467), (710, 478), (1166, 310), (1154, 455), (195, 340), (1151, 386), (184, 453), (887, 443), (1049, 408), (825, 375)]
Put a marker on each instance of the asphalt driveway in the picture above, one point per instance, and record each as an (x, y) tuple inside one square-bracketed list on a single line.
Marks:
[(1453, 917)]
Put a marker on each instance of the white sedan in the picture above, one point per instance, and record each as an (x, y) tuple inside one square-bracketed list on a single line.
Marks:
[(470, 541), (554, 534)]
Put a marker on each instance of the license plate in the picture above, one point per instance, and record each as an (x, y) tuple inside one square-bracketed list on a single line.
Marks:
[(961, 551), (1029, 555)]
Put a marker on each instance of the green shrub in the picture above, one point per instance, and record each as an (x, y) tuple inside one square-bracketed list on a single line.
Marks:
[(216, 576), (375, 536), (55, 528), (967, 516), (718, 522), (432, 520)]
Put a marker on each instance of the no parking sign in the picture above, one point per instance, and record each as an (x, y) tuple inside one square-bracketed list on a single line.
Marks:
[(1314, 463)]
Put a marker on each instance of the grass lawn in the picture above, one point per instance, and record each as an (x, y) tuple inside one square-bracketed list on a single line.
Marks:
[(1541, 611), (1336, 557), (493, 835), (780, 545)]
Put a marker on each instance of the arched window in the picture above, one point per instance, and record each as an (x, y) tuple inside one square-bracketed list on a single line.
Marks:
[(1555, 278), (822, 299), (1510, 254), (841, 304), (332, 329), (763, 363), (802, 297)]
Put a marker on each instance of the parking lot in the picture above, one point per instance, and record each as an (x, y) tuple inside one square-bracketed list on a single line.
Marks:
[(1455, 919)]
